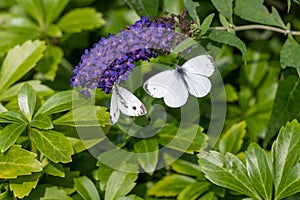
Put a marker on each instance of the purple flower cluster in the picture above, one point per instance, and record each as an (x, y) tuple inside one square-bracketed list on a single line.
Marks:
[(112, 59)]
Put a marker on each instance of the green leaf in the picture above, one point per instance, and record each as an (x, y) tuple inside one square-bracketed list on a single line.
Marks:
[(10, 134), (183, 167), (42, 122), (292, 183), (103, 174), (229, 39), (53, 8), (211, 196), (17, 161), (206, 23), (48, 65), (54, 31), (185, 44), (58, 102), (259, 171), (13, 69), (22, 185), (171, 6), (119, 184), (55, 169), (297, 1), (22, 25), (34, 9), (286, 106), (86, 188), (82, 144), (144, 7), (289, 5), (170, 186), (258, 116), (85, 116), (225, 23), (288, 53), (285, 158), (255, 71), (257, 93), (220, 191), (27, 101), (80, 19), (194, 190), (231, 93), (53, 144), (227, 171), (191, 7), (277, 17), (9, 40), (245, 95), (2, 108), (41, 90), (12, 116), (147, 150), (53, 193), (255, 11), (232, 140), (6, 194), (130, 197), (66, 183), (172, 137), (119, 159), (224, 7)]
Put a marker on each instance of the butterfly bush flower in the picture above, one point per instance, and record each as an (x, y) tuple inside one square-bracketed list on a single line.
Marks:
[(112, 59)]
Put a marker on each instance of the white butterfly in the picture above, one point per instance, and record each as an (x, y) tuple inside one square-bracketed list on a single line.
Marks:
[(175, 85), (124, 101)]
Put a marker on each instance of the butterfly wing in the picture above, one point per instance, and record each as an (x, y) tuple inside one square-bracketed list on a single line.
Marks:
[(129, 104), (159, 85), (196, 71), (201, 65), (168, 85), (114, 109), (178, 93), (198, 85)]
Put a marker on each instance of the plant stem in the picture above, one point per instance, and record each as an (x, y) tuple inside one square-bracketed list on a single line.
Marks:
[(258, 26)]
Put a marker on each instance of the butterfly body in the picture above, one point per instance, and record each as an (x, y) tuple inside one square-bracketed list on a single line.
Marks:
[(175, 85)]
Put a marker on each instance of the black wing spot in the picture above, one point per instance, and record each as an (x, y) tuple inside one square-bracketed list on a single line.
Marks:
[(143, 109), (133, 107)]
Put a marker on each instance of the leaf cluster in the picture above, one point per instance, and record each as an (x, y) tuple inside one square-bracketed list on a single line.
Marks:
[(48, 132)]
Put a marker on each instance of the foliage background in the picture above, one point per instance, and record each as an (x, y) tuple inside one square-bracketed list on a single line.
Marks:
[(255, 45)]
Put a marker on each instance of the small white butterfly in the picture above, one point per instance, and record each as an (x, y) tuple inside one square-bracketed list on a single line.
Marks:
[(124, 101), (175, 85)]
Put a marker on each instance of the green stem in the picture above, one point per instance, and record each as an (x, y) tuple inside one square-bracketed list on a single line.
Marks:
[(258, 26)]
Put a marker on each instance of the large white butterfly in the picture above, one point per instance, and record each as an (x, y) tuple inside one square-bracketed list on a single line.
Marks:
[(175, 85), (124, 101)]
